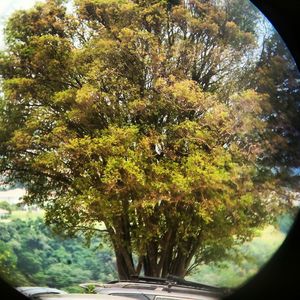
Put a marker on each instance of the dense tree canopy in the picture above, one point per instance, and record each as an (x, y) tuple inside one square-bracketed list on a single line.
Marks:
[(32, 256), (130, 117)]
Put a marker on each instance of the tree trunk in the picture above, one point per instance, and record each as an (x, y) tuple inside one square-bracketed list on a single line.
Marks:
[(124, 271), (162, 258), (123, 252), (173, 263)]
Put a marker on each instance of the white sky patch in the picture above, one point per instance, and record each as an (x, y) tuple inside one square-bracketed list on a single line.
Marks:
[(12, 196)]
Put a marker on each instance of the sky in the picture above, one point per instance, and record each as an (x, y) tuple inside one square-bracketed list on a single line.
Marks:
[(7, 7), (12, 196)]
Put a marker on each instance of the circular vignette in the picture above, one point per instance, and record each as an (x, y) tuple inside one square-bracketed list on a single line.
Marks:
[(278, 278), (269, 277)]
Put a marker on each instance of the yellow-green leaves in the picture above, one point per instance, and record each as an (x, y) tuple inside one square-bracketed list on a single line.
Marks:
[(65, 98), (18, 89), (21, 140), (122, 175)]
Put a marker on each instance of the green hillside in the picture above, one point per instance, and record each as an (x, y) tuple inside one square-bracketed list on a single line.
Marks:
[(31, 255)]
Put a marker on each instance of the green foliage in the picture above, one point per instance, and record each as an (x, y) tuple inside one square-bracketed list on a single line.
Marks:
[(7, 206), (277, 75), (31, 255), (130, 115), (245, 261), (90, 289), (7, 260), (243, 13), (66, 263)]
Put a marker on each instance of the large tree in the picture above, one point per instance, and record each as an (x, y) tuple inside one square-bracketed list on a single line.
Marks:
[(128, 116)]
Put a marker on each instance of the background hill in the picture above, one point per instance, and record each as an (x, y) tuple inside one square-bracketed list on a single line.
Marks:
[(31, 255)]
